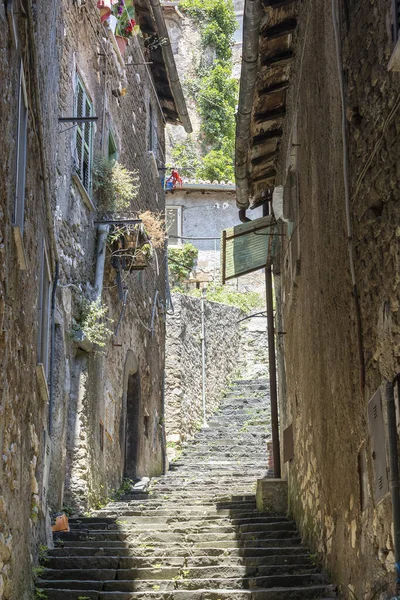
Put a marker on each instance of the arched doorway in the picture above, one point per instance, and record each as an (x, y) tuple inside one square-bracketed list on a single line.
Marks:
[(132, 425), (130, 442)]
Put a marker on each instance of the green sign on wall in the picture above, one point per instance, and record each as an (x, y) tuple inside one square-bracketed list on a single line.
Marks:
[(247, 247)]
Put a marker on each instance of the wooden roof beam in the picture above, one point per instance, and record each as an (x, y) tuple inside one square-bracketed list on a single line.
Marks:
[(270, 174), (277, 3), (283, 28), (274, 88), (262, 117), (278, 59), (273, 134), (264, 158)]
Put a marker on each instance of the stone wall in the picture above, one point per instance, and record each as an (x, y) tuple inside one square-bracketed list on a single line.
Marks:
[(326, 403), (90, 409), (90, 388), (183, 380), (235, 348), (23, 406)]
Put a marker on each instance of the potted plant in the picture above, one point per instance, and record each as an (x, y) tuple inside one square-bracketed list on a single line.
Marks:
[(127, 26), (105, 7)]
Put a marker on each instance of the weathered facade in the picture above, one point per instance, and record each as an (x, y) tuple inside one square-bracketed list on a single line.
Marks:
[(75, 418), (336, 276), (197, 213)]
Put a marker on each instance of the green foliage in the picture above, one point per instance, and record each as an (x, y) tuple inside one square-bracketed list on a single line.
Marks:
[(185, 157), (37, 572), (40, 594), (117, 186), (181, 262), (43, 554), (217, 22), (92, 320), (217, 100), (246, 301), (216, 166), (215, 92)]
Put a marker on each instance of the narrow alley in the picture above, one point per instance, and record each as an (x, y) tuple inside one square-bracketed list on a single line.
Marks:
[(196, 533), (199, 299)]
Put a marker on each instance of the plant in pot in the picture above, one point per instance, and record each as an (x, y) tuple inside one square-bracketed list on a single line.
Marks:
[(132, 245), (105, 7), (126, 26)]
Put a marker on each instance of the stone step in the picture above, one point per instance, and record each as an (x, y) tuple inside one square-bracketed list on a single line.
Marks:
[(197, 520), (270, 555), (308, 592), (125, 581)]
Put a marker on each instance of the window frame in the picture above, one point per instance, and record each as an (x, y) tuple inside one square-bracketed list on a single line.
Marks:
[(152, 132), (179, 225), (80, 131), (44, 312)]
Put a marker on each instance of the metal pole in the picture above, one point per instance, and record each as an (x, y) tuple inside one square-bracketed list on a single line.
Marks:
[(272, 373), (394, 477), (203, 357)]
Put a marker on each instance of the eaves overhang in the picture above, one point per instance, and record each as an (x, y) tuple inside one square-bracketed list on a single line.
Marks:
[(163, 67), (268, 30)]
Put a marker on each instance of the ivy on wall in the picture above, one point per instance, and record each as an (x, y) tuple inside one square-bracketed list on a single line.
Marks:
[(214, 90)]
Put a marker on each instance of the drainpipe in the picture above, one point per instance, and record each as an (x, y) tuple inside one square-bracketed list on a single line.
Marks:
[(203, 357), (52, 346), (272, 373), (248, 78), (242, 216), (394, 474), (100, 259), (171, 66), (273, 387)]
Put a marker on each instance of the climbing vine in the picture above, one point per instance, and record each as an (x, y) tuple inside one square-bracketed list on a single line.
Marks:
[(214, 89), (217, 22)]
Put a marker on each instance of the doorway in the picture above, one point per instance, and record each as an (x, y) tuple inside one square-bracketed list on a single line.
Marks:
[(132, 426)]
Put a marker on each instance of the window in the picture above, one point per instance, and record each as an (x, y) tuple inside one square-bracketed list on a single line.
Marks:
[(44, 312), (19, 204), (173, 218), (152, 131), (396, 20), (84, 134), (394, 62), (112, 148)]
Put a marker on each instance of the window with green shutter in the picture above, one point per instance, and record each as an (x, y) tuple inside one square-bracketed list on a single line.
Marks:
[(84, 135)]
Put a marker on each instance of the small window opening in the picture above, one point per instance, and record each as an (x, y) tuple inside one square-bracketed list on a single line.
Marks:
[(112, 148), (101, 436), (84, 135), (44, 312), (146, 425)]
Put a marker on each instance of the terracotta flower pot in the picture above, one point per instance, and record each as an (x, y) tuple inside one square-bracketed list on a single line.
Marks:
[(105, 9), (122, 43)]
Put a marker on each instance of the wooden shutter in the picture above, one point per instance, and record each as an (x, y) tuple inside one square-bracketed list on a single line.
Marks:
[(83, 108)]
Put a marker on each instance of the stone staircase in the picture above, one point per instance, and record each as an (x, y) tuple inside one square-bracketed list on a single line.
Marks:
[(196, 534)]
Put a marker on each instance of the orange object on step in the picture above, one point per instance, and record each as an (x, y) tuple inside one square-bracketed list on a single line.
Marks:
[(61, 524)]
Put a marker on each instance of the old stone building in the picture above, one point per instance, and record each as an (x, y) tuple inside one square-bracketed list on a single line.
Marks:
[(317, 141), (77, 417)]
